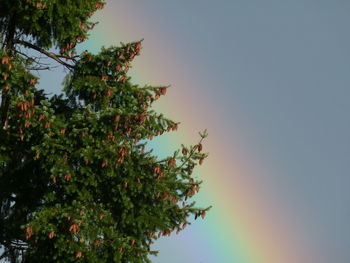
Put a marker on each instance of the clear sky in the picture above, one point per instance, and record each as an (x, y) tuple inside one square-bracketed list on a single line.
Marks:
[(270, 79)]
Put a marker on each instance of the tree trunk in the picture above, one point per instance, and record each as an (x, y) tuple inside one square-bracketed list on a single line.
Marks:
[(9, 47)]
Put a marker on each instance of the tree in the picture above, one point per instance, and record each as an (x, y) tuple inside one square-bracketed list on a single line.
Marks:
[(76, 181)]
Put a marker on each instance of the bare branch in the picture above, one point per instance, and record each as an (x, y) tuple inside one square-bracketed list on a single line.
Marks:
[(45, 52), (42, 68), (68, 57)]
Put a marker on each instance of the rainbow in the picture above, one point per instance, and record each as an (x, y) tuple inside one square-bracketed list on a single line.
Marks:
[(247, 223)]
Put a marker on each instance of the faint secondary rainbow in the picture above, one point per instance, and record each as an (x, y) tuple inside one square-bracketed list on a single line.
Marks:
[(246, 224)]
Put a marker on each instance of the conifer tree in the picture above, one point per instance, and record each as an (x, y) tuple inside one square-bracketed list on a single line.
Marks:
[(76, 181)]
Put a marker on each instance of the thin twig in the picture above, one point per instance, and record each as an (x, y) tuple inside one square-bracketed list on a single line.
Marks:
[(46, 68), (68, 57)]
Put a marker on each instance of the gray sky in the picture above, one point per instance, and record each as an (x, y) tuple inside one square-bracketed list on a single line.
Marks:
[(281, 70)]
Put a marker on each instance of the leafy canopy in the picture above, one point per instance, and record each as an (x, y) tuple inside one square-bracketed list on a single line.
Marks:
[(76, 181)]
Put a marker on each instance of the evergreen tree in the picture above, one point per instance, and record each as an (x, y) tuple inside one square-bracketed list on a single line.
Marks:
[(76, 183)]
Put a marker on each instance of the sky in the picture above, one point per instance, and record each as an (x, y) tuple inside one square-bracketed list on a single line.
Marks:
[(270, 81)]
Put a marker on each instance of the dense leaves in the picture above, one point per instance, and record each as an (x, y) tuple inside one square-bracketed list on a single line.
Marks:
[(78, 182), (48, 22)]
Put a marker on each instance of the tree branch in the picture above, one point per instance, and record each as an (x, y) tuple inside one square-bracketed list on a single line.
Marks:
[(68, 57), (190, 155), (42, 68), (45, 52)]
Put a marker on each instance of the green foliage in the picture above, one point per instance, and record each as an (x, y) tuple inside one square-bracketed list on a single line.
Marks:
[(77, 184), (48, 22)]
